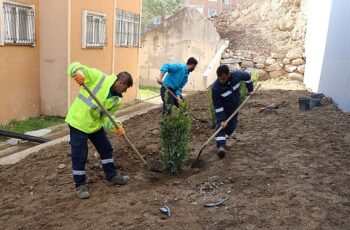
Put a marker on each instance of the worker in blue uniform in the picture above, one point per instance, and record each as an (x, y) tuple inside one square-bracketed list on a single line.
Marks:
[(226, 99)]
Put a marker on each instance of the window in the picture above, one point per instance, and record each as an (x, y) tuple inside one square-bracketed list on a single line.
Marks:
[(211, 12), (94, 32), (198, 8), (18, 24), (226, 2), (127, 28), (156, 20)]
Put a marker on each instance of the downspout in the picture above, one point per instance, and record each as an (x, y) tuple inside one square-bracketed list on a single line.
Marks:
[(138, 96), (113, 35), (69, 27)]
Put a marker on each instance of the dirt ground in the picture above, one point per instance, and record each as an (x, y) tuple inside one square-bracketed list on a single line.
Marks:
[(289, 170)]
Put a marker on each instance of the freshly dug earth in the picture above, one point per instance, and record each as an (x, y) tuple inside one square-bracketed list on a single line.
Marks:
[(289, 170)]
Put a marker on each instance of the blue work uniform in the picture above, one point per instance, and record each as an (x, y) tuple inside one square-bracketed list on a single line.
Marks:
[(226, 99)]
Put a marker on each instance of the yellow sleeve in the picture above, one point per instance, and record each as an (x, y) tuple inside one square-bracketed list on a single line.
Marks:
[(91, 74), (105, 120)]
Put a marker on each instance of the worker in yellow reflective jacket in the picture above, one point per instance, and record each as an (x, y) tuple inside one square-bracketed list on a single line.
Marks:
[(86, 121)]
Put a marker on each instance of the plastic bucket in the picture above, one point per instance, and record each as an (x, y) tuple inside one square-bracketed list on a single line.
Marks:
[(315, 102), (317, 95), (304, 103)]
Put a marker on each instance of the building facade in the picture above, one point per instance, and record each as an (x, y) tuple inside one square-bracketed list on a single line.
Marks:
[(39, 38), (211, 8)]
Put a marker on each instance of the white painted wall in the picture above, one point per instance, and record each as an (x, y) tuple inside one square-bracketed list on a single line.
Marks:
[(335, 75), (210, 73), (315, 41), (327, 49)]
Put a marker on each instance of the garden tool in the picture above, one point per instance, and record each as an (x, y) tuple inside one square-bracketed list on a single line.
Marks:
[(114, 123), (172, 94), (194, 164), (221, 201)]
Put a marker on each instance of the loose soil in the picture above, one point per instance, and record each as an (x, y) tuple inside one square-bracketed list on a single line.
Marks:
[(289, 170)]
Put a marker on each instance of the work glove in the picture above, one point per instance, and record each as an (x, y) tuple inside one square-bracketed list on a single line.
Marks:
[(120, 131), (79, 78)]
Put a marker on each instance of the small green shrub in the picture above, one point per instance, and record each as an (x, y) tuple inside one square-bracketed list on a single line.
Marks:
[(174, 138), (243, 90), (211, 105)]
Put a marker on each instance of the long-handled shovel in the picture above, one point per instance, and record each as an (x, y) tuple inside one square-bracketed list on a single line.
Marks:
[(114, 123), (196, 118), (194, 165)]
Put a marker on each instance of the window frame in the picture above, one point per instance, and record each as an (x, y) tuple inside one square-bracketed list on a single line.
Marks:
[(90, 44), (19, 6), (226, 2), (211, 15), (127, 28)]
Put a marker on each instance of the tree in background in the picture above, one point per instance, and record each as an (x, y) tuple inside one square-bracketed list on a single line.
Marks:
[(154, 8)]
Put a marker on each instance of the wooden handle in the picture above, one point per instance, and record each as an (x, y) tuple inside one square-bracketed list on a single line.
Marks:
[(188, 110), (114, 123)]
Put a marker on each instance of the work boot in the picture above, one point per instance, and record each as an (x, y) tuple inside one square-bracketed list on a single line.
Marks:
[(221, 152), (82, 192), (118, 180), (234, 136), (229, 141)]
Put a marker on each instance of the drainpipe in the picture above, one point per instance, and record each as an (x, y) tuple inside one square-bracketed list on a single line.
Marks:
[(69, 27), (113, 35), (138, 96)]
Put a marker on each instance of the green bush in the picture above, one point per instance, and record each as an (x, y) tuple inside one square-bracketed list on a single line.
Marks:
[(211, 105), (243, 90), (175, 132)]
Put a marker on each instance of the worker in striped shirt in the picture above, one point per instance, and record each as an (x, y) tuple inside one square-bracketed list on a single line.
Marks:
[(226, 99)]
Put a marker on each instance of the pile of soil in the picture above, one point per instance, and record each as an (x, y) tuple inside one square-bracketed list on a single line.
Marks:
[(289, 170)]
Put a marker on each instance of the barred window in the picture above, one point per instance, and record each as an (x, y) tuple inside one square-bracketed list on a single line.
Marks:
[(127, 28), (94, 33), (211, 12), (18, 24)]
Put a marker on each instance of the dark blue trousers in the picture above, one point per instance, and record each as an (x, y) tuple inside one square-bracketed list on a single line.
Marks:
[(171, 100), (226, 132), (79, 147)]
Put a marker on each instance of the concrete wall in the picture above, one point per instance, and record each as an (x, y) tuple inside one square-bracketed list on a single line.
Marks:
[(54, 56), (19, 73), (315, 41), (210, 73), (328, 51), (181, 36)]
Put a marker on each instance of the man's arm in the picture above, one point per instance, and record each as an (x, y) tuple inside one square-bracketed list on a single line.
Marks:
[(89, 75), (166, 68), (220, 115), (160, 78), (247, 79), (105, 120)]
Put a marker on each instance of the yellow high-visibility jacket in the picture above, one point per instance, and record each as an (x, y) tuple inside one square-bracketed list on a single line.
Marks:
[(84, 113)]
